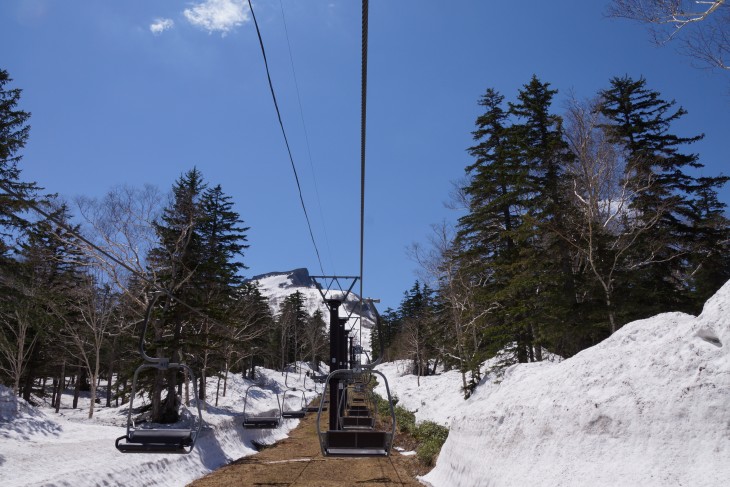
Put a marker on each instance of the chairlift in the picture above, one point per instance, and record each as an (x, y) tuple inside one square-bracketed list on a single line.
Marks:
[(158, 440), (293, 413), (267, 420), (358, 441)]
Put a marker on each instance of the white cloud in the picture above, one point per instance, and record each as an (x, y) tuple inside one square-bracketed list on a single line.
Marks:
[(161, 25), (218, 15)]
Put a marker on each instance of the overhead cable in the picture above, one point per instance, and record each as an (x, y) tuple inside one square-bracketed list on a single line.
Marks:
[(306, 139), (363, 119), (283, 132)]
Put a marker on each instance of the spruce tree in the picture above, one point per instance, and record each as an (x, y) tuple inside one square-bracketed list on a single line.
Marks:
[(292, 321), (174, 264), (665, 195), (14, 132), (543, 284)]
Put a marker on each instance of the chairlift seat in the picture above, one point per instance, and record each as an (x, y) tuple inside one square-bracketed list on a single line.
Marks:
[(357, 443), (355, 422), (261, 422), (294, 414), (156, 441), (358, 412)]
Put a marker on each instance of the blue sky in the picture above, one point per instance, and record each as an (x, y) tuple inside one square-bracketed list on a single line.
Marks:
[(140, 91)]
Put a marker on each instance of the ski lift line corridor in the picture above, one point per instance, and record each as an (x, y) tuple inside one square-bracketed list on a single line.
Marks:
[(297, 462)]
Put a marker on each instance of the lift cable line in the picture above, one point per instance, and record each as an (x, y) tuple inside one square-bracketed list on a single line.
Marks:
[(306, 139), (283, 132), (363, 119)]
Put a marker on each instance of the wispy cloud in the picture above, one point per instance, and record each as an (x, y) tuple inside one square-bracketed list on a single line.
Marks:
[(218, 15), (161, 25)]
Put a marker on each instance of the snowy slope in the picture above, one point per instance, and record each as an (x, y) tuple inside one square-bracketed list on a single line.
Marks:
[(650, 406), (41, 448), (437, 398), (276, 286)]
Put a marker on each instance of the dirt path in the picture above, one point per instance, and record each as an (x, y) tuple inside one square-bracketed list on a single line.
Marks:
[(298, 462)]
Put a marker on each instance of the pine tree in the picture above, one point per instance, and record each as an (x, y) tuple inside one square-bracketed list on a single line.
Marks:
[(666, 195), (709, 261), (223, 241), (47, 274), (292, 320), (542, 282), (174, 264), (14, 132)]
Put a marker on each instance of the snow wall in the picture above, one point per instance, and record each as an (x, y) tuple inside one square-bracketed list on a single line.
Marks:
[(649, 406)]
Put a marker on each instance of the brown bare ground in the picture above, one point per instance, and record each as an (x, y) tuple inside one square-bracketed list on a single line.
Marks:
[(298, 462)]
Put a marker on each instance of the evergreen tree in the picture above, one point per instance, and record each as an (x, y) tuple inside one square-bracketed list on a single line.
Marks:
[(709, 261), (14, 132), (509, 242), (292, 321), (542, 285), (223, 242), (174, 264), (47, 274), (259, 345), (666, 196)]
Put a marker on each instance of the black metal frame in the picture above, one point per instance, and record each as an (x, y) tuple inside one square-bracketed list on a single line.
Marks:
[(293, 414), (158, 440), (260, 422), (355, 442)]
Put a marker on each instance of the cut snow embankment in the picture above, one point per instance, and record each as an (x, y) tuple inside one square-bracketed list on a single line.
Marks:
[(649, 406)]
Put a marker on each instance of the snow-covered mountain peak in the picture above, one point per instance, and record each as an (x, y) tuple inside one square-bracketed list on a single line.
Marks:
[(277, 286)]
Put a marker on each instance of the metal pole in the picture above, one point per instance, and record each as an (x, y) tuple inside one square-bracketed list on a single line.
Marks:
[(334, 363)]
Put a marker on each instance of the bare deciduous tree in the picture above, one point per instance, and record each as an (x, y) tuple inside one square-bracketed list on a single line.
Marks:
[(602, 192), (14, 347), (702, 26), (93, 308), (122, 225), (457, 289)]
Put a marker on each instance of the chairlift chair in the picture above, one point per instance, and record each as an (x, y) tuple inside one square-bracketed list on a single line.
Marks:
[(293, 413), (267, 420), (158, 440), (356, 442)]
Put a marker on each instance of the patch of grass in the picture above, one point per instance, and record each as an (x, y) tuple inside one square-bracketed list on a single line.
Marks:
[(429, 436)]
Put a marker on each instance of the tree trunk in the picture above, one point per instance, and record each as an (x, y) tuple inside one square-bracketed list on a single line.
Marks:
[(81, 377), (28, 384), (217, 390), (611, 315), (61, 386), (55, 391), (225, 377), (201, 391), (77, 389), (92, 403)]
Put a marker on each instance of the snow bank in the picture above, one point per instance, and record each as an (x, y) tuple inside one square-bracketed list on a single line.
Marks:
[(39, 447), (649, 406), (437, 398)]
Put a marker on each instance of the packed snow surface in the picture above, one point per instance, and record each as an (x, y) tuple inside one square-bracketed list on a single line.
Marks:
[(650, 406), (41, 448)]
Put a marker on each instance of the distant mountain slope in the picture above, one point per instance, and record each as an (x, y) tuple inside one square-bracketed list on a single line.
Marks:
[(276, 286)]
